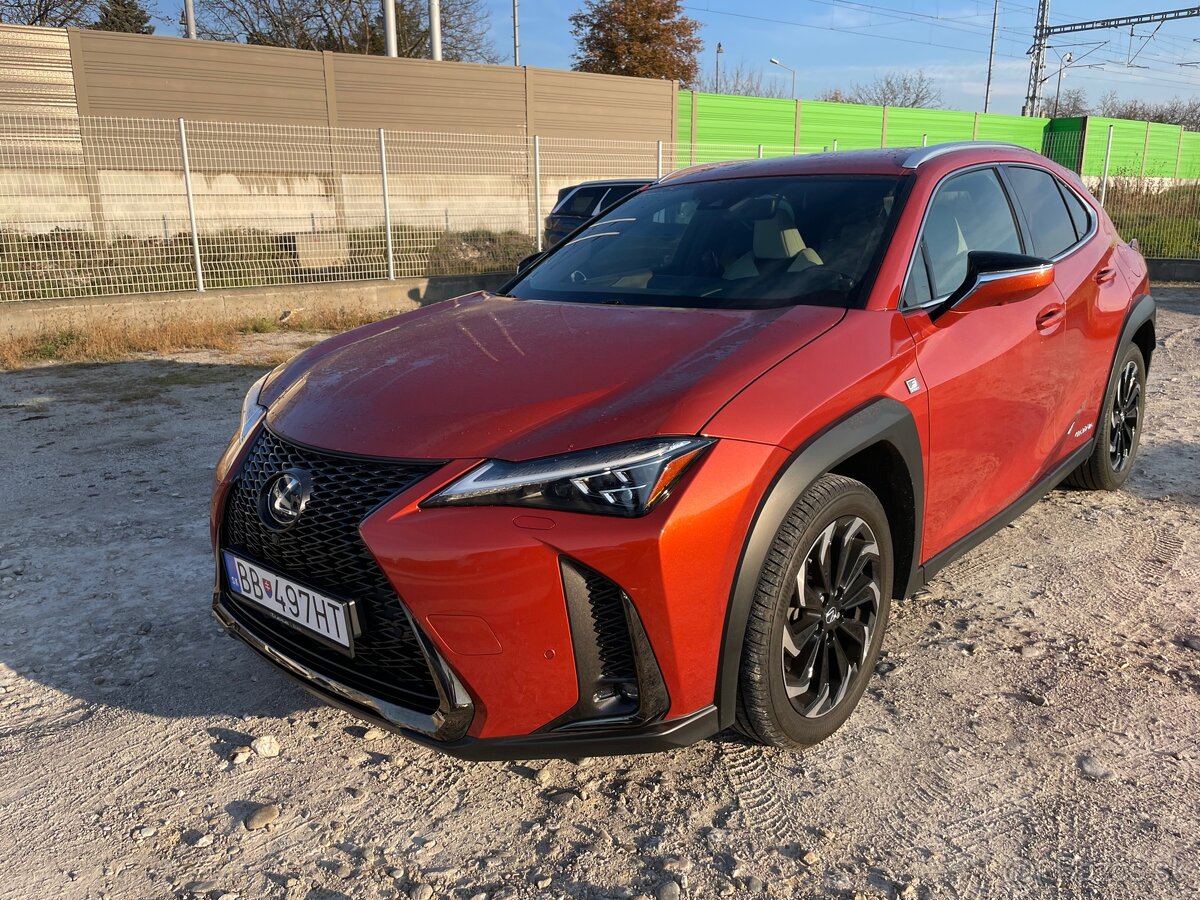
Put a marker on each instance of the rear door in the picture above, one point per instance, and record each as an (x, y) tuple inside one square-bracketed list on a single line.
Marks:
[(1083, 269), (992, 400), (1064, 229)]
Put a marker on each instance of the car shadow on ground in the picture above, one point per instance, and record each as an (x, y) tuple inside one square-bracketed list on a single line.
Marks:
[(105, 567)]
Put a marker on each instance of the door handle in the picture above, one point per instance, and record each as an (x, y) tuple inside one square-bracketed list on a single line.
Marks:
[(1106, 275), (1051, 317)]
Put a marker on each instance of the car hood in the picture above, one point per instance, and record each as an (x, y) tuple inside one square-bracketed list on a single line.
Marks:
[(486, 376)]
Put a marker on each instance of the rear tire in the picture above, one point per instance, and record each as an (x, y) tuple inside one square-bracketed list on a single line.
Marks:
[(818, 616), (1119, 429)]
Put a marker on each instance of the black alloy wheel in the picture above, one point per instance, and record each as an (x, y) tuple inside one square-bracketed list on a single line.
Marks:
[(818, 615), (1125, 416), (832, 616)]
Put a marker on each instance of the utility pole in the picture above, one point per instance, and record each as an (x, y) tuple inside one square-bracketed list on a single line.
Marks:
[(189, 18), (435, 29), (516, 35), (389, 27), (1033, 97), (987, 91), (1043, 31)]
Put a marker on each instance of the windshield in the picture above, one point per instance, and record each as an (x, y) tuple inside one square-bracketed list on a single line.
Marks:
[(745, 243)]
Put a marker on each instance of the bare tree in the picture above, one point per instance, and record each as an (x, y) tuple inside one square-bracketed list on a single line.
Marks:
[(914, 89), (834, 95), (1176, 111), (350, 26), (47, 13), (741, 80), (1071, 102)]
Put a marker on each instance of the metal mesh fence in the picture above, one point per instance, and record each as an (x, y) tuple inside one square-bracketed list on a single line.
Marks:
[(97, 206)]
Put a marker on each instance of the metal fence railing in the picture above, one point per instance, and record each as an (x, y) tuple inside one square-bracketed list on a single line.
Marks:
[(101, 206)]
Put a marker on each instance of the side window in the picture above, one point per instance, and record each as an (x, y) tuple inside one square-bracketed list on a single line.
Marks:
[(1080, 217), (582, 202), (619, 193), (1045, 211), (968, 212), (917, 291)]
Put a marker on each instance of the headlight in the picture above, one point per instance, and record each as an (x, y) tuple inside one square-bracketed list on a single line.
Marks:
[(618, 480), (252, 412)]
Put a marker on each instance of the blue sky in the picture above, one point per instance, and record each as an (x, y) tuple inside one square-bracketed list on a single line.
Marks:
[(834, 43)]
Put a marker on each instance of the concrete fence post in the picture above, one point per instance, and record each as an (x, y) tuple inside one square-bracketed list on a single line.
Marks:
[(537, 189), (760, 151), (835, 145), (1107, 157), (387, 208), (191, 204), (660, 164)]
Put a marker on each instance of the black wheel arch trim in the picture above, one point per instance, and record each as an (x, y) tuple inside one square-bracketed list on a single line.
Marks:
[(882, 420)]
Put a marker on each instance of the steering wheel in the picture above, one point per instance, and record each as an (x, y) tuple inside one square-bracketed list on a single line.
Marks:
[(577, 277)]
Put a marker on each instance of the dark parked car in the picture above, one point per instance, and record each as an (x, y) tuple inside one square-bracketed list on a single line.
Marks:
[(578, 203), (670, 478)]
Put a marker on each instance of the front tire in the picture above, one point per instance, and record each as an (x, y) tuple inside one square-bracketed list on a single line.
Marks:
[(818, 616), (1120, 428)]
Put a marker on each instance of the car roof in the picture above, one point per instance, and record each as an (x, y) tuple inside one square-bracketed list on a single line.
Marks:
[(885, 161)]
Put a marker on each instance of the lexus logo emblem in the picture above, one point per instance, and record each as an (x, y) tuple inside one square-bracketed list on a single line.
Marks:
[(284, 498)]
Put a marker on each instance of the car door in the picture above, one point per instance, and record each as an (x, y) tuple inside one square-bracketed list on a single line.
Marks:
[(988, 373), (1063, 229)]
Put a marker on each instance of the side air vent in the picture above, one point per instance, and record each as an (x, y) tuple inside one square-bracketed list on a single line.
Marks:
[(619, 680)]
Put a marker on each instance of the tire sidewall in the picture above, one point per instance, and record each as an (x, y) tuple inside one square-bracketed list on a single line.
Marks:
[(861, 502)]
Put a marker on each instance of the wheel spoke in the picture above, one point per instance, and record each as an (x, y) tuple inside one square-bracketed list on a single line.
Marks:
[(824, 561)]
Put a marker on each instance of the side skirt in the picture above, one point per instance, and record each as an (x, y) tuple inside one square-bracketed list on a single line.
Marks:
[(970, 541)]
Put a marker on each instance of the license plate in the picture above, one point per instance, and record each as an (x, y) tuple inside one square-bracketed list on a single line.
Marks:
[(323, 616)]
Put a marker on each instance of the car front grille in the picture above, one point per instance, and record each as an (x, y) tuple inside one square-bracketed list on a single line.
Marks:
[(324, 550)]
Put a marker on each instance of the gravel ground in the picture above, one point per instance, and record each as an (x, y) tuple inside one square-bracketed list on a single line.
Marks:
[(1033, 729)]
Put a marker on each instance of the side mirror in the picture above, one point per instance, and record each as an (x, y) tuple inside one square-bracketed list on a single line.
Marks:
[(528, 261), (995, 278)]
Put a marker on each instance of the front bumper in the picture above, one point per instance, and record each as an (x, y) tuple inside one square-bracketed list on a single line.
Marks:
[(494, 595), (443, 733)]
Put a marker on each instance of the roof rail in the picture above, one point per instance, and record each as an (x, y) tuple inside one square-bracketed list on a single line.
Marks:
[(924, 154)]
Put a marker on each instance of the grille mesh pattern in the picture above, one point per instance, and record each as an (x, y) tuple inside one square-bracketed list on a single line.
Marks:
[(323, 550), (612, 629)]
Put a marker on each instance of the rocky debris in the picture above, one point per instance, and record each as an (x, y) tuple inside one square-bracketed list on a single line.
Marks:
[(421, 892), (541, 880), (262, 817), (267, 745), (811, 858), (669, 890), (1192, 642), (239, 755), (142, 832), (374, 734), (1092, 768), (205, 840), (201, 887)]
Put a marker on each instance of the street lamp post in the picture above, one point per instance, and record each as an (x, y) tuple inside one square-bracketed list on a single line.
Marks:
[(1066, 61), (720, 50), (776, 62)]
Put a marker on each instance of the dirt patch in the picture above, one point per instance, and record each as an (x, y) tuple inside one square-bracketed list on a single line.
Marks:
[(1033, 729)]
